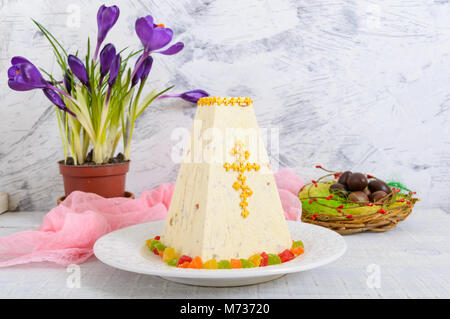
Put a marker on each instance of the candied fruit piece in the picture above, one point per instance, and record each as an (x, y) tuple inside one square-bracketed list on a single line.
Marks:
[(196, 263), (297, 244), (235, 263), (148, 242), (224, 264), (157, 237), (155, 251), (247, 263), (160, 247), (297, 250), (169, 253), (273, 259), (210, 264), (173, 262), (264, 259), (153, 244), (184, 265), (161, 254), (286, 255), (184, 259), (255, 259)]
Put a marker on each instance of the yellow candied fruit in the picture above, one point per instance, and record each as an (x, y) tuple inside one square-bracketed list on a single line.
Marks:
[(169, 253), (256, 259), (148, 242), (210, 264)]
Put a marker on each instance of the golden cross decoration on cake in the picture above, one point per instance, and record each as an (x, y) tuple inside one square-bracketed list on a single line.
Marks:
[(241, 165)]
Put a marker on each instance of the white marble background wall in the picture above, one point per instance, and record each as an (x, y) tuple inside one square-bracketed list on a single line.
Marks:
[(360, 85)]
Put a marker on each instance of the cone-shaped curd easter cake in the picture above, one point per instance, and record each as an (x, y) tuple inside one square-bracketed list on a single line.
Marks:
[(226, 203)]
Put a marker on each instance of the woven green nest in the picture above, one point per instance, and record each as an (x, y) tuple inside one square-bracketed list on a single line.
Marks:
[(336, 212)]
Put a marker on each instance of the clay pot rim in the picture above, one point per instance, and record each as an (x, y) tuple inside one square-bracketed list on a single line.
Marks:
[(61, 163)]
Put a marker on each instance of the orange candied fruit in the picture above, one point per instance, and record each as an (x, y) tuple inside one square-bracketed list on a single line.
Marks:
[(297, 250), (236, 263), (196, 263), (184, 265)]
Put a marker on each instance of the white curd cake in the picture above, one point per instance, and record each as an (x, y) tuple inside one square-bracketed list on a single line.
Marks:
[(226, 203)]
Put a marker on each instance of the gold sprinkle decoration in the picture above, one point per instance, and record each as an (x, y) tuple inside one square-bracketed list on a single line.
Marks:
[(241, 165), (226, 101)]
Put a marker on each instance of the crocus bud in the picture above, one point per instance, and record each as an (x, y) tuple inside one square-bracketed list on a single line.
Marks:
[(147, 66), (193, 96), (79, 70), (114, 70), (106, 57), (106, 18), (56, 99), (68, 81), (142, 71)]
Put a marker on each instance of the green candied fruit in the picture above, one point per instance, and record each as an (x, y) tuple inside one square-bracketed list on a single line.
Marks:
[(153, 244), (173, 262), (297, 243), (160, 247), (273, 259), (247, 263), (224, 264)]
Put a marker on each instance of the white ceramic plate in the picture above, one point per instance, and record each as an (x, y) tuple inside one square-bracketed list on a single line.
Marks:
[(125, 249)]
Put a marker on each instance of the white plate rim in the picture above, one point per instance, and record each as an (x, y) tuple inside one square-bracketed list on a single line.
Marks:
[(293, 266)]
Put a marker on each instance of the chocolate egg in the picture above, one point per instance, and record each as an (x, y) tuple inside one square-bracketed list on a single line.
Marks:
[(379, 185), (367, 192), (376, 196), (338, 189), (358, 196), (356, 182), (344, 177)]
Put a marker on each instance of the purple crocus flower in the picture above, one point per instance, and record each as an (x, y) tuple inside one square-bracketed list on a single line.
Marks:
[(143, 71), (106, 57), (79, 70), (57, 100), (154, 38), (190, 96), (24, 76), (106, 18)]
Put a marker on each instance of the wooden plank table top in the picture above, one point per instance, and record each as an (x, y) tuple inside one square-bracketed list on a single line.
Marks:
[(411, 261)]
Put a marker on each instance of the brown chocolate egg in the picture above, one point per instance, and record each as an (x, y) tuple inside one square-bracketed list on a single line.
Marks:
[(377, 196), (338, 189), (367, 192), (379, 185), (356, 182), (358, 196), (344, 177)]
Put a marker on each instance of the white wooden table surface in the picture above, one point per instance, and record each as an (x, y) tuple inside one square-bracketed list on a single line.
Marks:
[(413, 262)]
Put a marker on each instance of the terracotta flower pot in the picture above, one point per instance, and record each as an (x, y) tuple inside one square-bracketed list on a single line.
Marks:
[(107, 180)]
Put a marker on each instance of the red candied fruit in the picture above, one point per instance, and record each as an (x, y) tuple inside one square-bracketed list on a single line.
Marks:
[(264, 260), (157, 237), (184, 259), (286, 255), (155, 251)]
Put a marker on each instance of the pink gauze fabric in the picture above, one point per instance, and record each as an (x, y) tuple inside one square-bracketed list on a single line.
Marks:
[(68, 232)]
